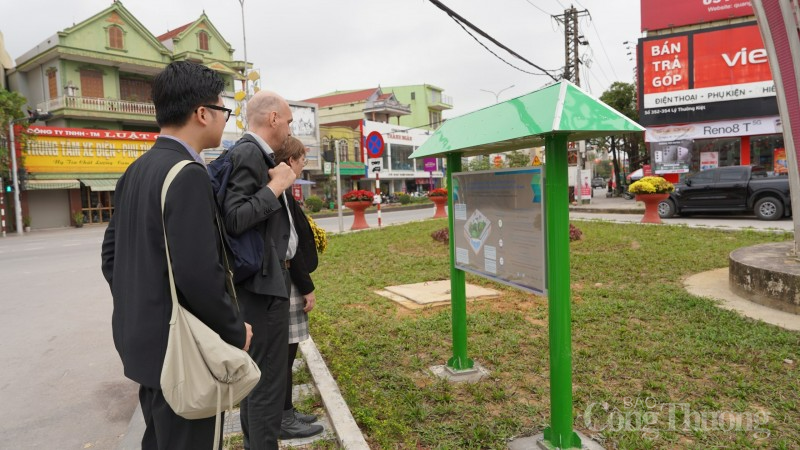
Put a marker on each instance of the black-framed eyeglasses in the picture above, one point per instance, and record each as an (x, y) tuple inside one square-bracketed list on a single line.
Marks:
[(227, 111)]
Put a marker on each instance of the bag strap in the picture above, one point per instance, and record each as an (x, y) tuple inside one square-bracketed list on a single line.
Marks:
[(173, 172)]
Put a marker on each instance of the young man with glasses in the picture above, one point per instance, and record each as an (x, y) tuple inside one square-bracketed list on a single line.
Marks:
[(191, 116)]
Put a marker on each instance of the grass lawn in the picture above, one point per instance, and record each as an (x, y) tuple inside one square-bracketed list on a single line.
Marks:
[(653, 366)]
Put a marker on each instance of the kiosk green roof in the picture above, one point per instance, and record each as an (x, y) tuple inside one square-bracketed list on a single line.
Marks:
[(523, 122)]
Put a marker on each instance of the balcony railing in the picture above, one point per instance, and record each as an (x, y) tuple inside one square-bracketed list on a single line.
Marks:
[(99, 105), (436, 97)]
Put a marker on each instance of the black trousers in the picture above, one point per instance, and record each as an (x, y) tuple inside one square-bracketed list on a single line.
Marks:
[(292, 354), (261, 412), (166, 430)]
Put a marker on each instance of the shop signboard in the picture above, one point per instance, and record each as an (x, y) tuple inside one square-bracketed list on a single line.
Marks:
[(709, 160), (658, 14), (77, 150), (499, 226), (703, 75), (671, 157), (781, 164), (710, 130)]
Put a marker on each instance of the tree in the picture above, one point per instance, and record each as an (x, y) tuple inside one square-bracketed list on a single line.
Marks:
[(11, 104), (517, 158), (479, 163), (622, 97)]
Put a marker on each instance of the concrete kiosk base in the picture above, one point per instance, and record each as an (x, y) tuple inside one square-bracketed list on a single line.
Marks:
[(537, 442)]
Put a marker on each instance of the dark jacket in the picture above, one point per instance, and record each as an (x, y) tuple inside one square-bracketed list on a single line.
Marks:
[(134, 260), (305, 259), (250, 203)]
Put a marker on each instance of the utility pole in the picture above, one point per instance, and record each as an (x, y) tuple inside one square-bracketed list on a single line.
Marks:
[(572, 40), (572, 60)]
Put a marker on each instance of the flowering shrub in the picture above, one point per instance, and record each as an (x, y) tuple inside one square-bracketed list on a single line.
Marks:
[(442, 235), (438, 192), (320, 235), (575, 234), (358, 196), (651, 185)]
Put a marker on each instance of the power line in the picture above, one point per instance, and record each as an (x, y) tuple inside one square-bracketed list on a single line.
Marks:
[(602, 46), (495, 54), (464, 21), (540, 9)]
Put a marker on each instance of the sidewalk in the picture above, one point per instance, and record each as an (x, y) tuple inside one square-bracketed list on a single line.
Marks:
[(602, 204)]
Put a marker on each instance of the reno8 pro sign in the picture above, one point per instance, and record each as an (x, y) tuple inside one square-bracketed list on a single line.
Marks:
[(705, 75)]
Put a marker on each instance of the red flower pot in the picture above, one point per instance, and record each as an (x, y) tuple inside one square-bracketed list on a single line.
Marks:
[(359, 221), (651, 202), (439, 201)]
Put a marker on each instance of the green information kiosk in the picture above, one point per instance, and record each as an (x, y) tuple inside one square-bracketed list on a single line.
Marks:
[(552, 116)]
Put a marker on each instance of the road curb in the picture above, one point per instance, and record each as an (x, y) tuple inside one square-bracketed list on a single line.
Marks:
[(344, 425)]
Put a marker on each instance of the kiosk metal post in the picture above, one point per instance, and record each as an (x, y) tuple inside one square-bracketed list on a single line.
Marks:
[(559, 434), (458, 287)]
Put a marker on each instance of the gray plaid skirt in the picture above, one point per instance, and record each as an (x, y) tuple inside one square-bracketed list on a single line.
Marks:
[(298, 319)]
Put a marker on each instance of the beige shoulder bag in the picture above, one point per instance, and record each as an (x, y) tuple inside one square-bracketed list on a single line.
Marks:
[(200, 369)]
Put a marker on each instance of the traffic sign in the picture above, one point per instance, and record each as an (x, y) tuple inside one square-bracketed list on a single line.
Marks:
[(374, 145), (375, 165)]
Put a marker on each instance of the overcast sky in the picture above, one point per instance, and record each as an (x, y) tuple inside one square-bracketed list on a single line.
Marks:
[(304, 48)]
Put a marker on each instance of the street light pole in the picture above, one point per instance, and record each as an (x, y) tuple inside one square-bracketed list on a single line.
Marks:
[(497, 95), (36, 115), (15, 177)]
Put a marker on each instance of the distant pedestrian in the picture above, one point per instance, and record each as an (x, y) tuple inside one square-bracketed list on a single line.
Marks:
[(191, 115)]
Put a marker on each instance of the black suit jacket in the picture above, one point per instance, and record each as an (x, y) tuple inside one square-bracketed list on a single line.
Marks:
[(305, 259), (250, 203), (134, 260)]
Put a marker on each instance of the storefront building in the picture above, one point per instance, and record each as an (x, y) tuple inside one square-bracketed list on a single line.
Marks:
[(706, 95), (400, 173), (73, 170)]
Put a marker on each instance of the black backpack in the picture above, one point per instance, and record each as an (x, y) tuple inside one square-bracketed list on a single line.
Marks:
[(247, 248)]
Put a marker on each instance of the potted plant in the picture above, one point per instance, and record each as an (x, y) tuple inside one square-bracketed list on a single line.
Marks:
[(26, 223), (439, 197), (651, 191), (77, 217), (358, 201)]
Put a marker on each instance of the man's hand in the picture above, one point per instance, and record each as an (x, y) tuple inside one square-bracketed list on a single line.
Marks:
[(249, 330), (280, 178), (311, 300)]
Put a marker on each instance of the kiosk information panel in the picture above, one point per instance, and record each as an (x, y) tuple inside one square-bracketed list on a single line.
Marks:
[(499, 226)]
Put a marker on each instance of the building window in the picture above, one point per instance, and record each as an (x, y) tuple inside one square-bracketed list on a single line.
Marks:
[(134, 89), (413, 96), (343, 150), (92, 83), (115, 37), (202, 38), (400, 157), (52, 82), (763, 150), (435, 119)]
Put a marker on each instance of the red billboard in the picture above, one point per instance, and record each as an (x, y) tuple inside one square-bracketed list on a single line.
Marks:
[(658, 14), (702, 75), (729, 57)]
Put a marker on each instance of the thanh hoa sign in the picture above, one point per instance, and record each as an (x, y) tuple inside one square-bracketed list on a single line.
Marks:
[(65, 150)]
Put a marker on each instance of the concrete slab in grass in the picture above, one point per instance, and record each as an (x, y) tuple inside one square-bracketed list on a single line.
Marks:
[(432, 293)]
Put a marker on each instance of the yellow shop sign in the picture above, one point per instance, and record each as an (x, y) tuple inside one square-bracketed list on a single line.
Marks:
[(60, 150)]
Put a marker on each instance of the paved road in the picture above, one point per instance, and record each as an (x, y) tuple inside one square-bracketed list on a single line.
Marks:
[(717, 221), (388, 217), (61, 384)]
